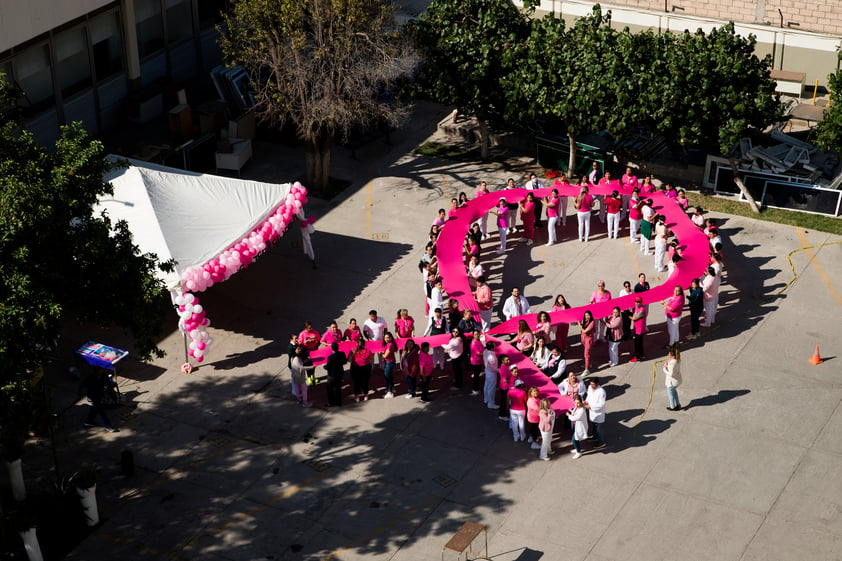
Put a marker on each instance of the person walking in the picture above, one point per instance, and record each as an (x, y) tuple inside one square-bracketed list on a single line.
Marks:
[(672, 378)]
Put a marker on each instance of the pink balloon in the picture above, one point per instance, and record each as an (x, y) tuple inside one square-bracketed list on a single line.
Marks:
[(200, 358), (201, 345)]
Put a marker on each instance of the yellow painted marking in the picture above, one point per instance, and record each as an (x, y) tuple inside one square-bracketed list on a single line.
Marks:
[(368, 204), (817, 266)]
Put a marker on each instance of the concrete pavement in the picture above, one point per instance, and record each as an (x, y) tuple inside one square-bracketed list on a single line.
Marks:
[(230, 468)]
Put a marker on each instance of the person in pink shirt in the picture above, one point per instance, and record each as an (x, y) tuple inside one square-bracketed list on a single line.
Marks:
[(561, 329), (506, 383), (552, 216), (587, 326), (543, 328), (485, 302), (562, 183), (639, 325), (441, 219), (389, 352), (682, 201), (475, 271), (454, 206), (710, 292), (629, 179), (353, 332), (360, 359), (635, 216), (647, 187), (501, 211), (425, 367), (404, 324), (524, 339), (476, 348), (517, 409), (604, 182), (614, 330), (673, 307), (483, 220), (612, 210), (546, 423), (332, 335), (527, 216), (600, 295), (309, 337), (533, 404), (411, 366), (583, 205), (454, 349)]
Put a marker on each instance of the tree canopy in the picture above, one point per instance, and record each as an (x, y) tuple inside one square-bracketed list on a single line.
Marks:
[(830, 127), (59, 261), (327, 66), (462, 43)]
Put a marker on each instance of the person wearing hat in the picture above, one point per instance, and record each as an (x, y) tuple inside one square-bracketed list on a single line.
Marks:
[(639, 324), (501, 211), (517, 408)]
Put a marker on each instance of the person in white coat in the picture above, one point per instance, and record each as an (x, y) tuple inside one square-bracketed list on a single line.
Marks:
[(595, 404), (516, 305), (579, 419), (672, 373)]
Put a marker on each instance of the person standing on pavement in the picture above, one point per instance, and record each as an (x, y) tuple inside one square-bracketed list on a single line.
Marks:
[(507, 381), (600, 295), (673, 307), (483, 220), (517, 409), (425, 370), (639, 327), (552, 216), (533, 404), (300, 367), (527, 216), (512, 215), (411, 366), (454, 349), (492, 371), (390, 352), (94, 388), (695, 299), (587, 337), (476, 352), (485, 302), (672, 378), (710, 293), (437, 326), (595, 404), (373, 330), (533, 184), (578, 417), (501, 211), (614, 331), (360, 359), (516, 305), (546, 424), (335, 366), (583, 205)]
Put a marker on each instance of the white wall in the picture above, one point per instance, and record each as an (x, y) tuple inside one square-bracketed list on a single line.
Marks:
[(21, 20)]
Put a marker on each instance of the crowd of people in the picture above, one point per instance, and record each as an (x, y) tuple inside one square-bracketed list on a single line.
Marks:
[(490, 373)]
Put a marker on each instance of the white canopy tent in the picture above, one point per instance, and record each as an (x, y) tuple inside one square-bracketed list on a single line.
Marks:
[(186, 216)]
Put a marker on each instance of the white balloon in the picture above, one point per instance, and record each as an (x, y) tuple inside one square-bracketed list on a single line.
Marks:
[(193, 345), (189, 298), (179, 300), (198, 353), (197, 309)]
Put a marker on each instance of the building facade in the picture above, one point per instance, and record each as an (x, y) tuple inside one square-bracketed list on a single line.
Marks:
[(90, 60)]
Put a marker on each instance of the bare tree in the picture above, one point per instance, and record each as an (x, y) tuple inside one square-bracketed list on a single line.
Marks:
[(328, 66)]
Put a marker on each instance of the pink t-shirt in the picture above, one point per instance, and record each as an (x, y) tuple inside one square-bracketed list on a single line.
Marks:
[(675, 306), (353, 335), (505, 377), (532, 407), (310, 339), (639, 324), (331, 337), (425, 362), (552, 207), (503, 219), (517, 399), (612, 205), (403, 327), (480, 192), (596, 297), (585, 203), (362, 357), (629, 181), (476, 351), (634, 212)]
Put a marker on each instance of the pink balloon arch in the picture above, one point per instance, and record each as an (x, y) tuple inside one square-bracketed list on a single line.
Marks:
[(694, 260)]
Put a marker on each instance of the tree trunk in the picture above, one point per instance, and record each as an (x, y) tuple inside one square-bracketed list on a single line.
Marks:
[(484, 141), (16, 478), (751, 202), (317, 156), (89, 506), (31, 545), (571, 160)]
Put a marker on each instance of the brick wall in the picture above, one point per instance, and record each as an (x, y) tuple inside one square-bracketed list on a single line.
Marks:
[(821, 16)]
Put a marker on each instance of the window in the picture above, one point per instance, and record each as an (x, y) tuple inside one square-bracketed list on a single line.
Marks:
[(150, 27), (179, 20), (33, 75), (72, 62), (107, 45), (210, 12)]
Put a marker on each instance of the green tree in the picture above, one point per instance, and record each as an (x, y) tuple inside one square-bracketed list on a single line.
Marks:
[(324, 65), (60, 262), (462, 43), (581, 79), (713, 90), (829, 135)]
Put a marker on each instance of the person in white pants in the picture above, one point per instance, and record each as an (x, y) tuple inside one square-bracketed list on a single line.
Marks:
[(501, 211), (552, 216), (660, 244), (517, 409), (673, 307), (645, 230), (546, 423), (710, 288), (584, 204), (512, 217), (483, 220), (613, 203), (634, 216), (492, 371)]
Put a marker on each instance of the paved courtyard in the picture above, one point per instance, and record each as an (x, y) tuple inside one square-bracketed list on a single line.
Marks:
[(230, 468)]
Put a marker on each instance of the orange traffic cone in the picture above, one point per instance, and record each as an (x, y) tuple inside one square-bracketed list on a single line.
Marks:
[(817, 359)]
